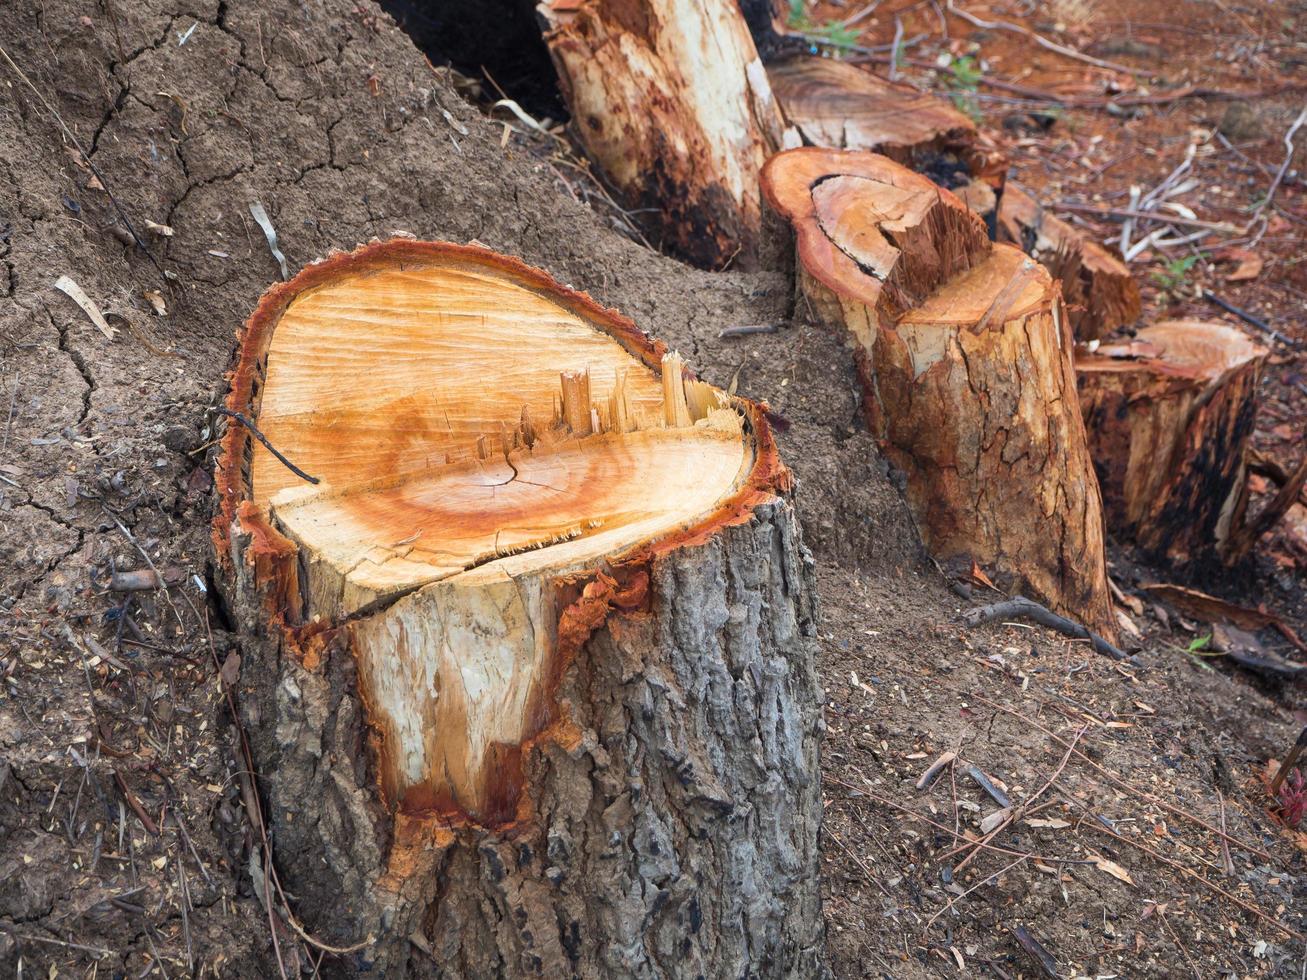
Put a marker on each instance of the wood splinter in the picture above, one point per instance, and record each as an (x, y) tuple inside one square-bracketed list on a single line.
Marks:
[(529, 673), (963, 351)]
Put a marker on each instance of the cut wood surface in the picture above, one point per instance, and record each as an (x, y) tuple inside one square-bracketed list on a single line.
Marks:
[(672, 104), (1169, 416), (964, 354), (839, 106), (511, 583), (1101, 294)]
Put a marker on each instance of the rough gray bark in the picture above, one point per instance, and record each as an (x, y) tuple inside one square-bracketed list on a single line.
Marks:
[(677, 839)]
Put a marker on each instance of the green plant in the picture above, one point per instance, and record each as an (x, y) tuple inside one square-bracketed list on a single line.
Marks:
[(1174, 277), (964, 79), (832, 33)]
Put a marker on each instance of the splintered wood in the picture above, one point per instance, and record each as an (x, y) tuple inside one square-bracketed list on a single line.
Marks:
[(1169, 415), (549, 588), (501, 435), (673, 106), (1097, 286), (963, 348)]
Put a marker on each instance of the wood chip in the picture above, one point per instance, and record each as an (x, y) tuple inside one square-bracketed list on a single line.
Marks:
[(1112, 868), (74, 292)]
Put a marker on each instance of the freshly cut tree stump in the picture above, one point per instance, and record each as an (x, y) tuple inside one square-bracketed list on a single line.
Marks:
[(528, 671), (1169, 417), (839, 106), (964, 354), (672, 103), (1101, 294)]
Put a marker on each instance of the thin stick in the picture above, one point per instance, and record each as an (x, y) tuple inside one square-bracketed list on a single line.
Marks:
[(1279, 175), (1142, 794), (984, 881), (1160, 217), (254, 431), (1020, 606), (1245, 316), (1018, 812), (747, 329), (858, 861), (1250, 909), (908, 811), (1043, 42)]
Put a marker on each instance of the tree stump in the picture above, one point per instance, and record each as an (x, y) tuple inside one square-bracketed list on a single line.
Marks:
[(672, 104), (964, 354), (528, 672), (839, 106), (1101, 294), (1169, 417)]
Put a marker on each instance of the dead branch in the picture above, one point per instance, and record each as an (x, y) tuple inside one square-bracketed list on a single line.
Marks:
[(1020, 607)]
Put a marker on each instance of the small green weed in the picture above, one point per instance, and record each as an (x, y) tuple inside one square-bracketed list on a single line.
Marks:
[(1173, 278), (964, 79)]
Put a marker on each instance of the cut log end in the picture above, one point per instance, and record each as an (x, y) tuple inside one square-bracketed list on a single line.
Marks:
[(839, 106), (1169, 416), (1099, 290), (505, 470), (965, 360)]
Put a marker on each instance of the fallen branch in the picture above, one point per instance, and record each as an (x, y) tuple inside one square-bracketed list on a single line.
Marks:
[(1021, 607)]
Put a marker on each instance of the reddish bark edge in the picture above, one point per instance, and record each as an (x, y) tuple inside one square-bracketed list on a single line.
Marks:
[(586, 599), (788, 180)]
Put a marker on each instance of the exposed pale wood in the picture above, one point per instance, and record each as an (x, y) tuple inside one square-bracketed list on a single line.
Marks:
[(1169, 416), (672, 103), (839, 106), (502, 608), (1100, 292), (964, 354)]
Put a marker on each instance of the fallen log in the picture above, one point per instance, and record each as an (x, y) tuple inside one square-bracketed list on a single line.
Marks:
[(1101, 294), (840, 106), (1169, 416), (672, 104), (964, 355), (528, 672)]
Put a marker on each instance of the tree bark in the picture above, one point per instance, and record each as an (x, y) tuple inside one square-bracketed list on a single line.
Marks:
[(1169, 417), (964, 353), (840, 106), (672, 104), (517, 711), (1101, 294)]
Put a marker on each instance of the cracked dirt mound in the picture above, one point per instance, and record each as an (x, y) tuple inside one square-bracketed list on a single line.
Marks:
[(109, 705)]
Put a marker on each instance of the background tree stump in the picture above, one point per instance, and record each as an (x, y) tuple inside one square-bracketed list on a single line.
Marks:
[(1169, 415), (528, 671), (672, 104), (840, 106), (964, 353), (1101, 294)]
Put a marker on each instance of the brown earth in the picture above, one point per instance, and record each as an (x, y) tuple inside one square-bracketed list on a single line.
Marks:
[(123, 844)]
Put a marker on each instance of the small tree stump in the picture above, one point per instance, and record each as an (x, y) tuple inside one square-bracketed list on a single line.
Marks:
[(528, 671), (1101, 294), (1169, 416), (672, 104), (839, 106), (964, 354)]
